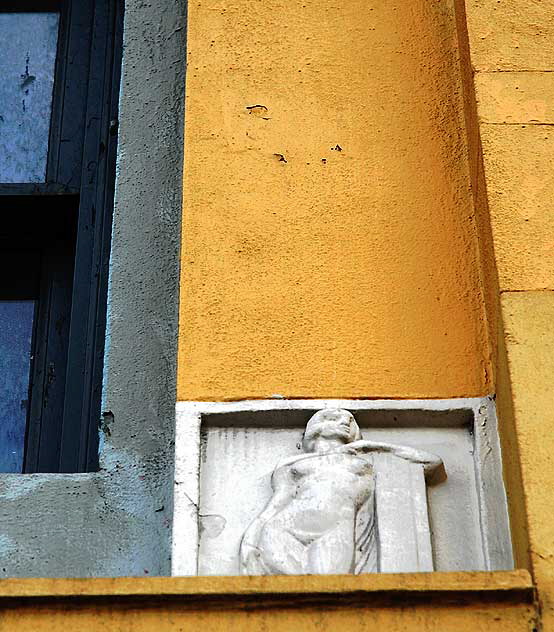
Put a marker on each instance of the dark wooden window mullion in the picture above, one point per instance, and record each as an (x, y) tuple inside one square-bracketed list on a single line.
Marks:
[(38, 379), (106, 200), (70, 94), (43, 438), (84, 375), (59, 92), (49, 230)]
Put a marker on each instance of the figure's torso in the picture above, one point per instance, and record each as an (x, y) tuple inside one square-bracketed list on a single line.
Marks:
[(327, 491)]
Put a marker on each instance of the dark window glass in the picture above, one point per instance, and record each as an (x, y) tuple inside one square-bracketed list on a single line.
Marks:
[(16, 333), (28, 43)]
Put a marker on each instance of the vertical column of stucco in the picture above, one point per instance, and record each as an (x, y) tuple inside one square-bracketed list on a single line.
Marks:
[(329, 236), (512, 50)]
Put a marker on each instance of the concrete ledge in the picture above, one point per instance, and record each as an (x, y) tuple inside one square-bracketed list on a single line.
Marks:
[(260, 592)]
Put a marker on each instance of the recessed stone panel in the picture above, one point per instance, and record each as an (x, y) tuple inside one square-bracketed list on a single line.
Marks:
[(226, 489)]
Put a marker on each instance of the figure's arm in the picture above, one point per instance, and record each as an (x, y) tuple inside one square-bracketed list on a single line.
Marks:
[(433, 466), (249, 549)]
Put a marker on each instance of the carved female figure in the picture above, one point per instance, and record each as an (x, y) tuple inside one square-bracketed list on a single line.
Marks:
[(321, 517)]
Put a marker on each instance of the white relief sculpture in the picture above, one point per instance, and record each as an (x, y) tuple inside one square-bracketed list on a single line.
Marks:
[(323, 515)]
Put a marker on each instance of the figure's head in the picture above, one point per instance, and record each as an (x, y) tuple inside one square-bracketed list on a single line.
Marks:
[(330, 425)]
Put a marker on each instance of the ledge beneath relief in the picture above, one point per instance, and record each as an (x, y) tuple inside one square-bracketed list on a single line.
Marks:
[(368, 486), (202, 593)]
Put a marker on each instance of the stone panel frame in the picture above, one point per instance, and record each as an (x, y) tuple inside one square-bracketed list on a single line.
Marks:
[(478, 413)]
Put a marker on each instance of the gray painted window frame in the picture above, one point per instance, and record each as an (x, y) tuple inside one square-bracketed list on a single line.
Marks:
[(117, 521)]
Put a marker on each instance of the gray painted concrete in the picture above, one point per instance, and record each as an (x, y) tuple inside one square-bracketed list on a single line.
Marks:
[(118, 521)]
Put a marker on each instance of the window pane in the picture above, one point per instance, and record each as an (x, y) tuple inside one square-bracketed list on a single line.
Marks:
[(16, 330), (27, 58)]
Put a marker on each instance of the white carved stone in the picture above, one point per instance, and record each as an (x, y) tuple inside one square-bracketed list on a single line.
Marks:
[(401, 506), (330, 502), (226, 453)]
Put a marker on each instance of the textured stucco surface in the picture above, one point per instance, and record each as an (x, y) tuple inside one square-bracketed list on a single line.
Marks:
[(515, 97), (518, 159), (529, 318), (329, 238), (511, 34), (117, 521)]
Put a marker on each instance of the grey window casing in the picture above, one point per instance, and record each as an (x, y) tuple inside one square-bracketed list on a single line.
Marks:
[(117, 521)]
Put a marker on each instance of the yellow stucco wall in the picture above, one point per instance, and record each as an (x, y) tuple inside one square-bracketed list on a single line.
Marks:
[(309, 271), (138, 618), (529, 318)]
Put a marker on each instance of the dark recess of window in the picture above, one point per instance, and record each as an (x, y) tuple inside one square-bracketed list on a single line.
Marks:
[(59, 232)]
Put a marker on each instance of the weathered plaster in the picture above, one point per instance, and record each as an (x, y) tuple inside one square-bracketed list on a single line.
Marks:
[(329, 242), (118, 521), (518, 160), (516, 114), (511, 34), (515, 97), (528, 318)]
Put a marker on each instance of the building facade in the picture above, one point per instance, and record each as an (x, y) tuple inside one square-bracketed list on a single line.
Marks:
[(317, 204)]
